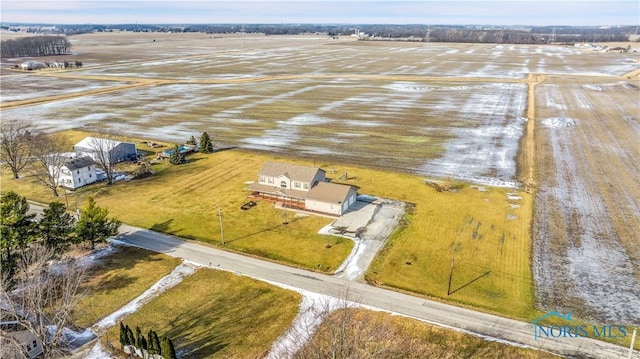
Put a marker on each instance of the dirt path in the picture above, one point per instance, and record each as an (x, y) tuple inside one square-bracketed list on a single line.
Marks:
[(528, 148), (632, 75)]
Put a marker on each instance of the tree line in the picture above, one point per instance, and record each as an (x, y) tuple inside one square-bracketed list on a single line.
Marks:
[(151, 344), (56, 231), (34, 46), (40, 282)]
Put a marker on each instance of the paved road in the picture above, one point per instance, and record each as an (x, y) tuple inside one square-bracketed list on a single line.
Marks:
[(508, 330)]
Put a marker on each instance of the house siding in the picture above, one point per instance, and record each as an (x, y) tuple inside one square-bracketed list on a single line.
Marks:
[(76, 177), (302, 187)]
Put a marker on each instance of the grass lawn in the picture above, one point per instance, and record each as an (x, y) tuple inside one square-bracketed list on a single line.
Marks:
[(183, 200), (117, 279), (218, 314), (485, 233), (378, 334)]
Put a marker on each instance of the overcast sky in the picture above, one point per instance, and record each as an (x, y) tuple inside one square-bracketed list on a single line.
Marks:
[(514, 12)]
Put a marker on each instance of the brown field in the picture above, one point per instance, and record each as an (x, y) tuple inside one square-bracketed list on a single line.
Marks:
[(367, 334), (587, 213), (433, 109)]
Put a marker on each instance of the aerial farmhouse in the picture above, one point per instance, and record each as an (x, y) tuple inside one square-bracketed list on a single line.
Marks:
[(16, 341), (302, 187), (77, 172)]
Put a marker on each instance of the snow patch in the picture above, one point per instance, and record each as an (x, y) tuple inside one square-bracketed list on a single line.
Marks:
[(558, 122), (98, 352), (168, 281)]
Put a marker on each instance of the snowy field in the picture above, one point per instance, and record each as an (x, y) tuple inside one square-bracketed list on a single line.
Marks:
[(429, 109), (468, 131), (587, 215)]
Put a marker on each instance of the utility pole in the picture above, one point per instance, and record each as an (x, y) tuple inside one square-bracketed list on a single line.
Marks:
[(633, 341), (221, 227), (450, 276)]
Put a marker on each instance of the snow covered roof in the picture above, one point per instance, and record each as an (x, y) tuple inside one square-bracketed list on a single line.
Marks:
[(93, 142)]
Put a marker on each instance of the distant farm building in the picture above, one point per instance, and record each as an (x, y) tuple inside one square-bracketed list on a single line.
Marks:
[(302, 187), (32, 65), (98, 148)]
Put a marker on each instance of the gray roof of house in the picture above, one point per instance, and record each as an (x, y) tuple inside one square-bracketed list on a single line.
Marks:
[(329, 192), (78, 163), (293, 172)]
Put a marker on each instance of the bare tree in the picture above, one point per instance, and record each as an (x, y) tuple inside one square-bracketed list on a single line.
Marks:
[(106, 152), (48, 157), (15, 145), (42, 300)]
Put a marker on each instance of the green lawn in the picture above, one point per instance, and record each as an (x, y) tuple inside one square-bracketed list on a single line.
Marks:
[(216, 314), (117, 279), (183, 201), (486, 234)]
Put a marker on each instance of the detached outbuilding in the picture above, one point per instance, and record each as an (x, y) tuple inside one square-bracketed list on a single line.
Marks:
[(100, 149), (32, 65)]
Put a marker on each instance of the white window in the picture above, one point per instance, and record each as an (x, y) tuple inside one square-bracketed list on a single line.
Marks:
[(306, 186), (271, 180), (283, 184), (296, 184)]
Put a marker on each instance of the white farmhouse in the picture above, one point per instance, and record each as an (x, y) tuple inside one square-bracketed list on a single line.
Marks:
[(15, 341), (302, 187), (77, 172)]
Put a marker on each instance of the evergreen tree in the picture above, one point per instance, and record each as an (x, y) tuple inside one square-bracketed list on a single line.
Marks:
[(192, 141), (56, 228), (168, 351), (131, 340), (205, 143), (139, 335), (16, 231), (153, 342), (176, 157), (93, 225), (123, 335)]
